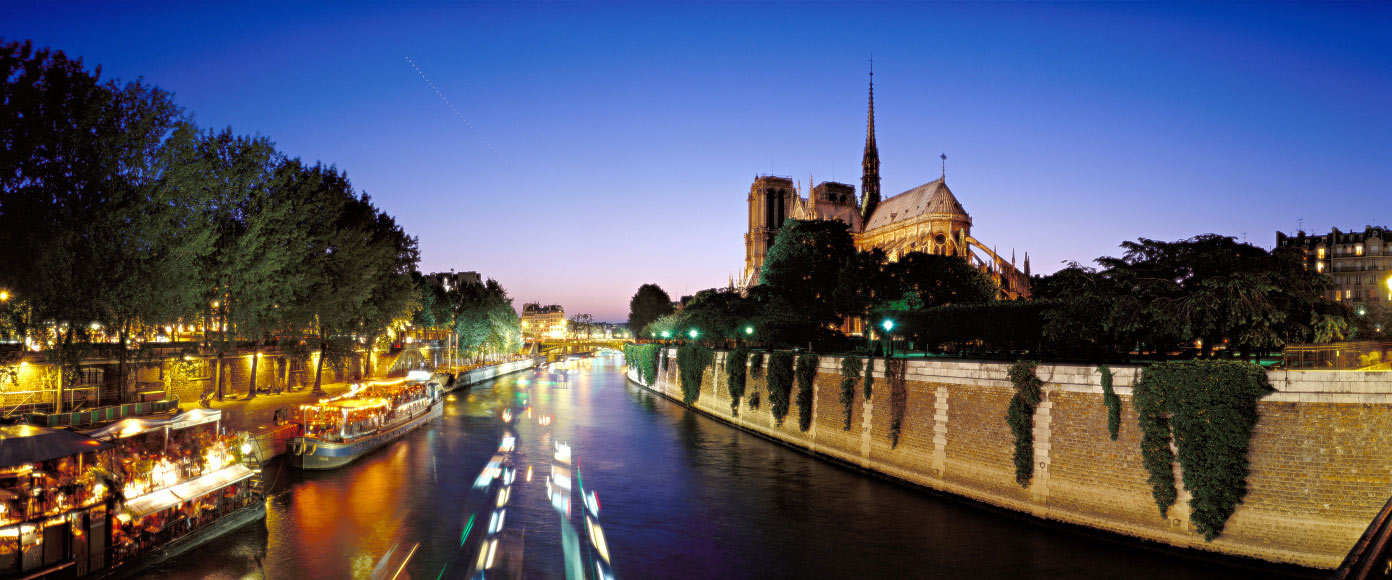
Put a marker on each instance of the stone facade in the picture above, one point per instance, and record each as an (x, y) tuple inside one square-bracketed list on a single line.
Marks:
[(1318, 458)]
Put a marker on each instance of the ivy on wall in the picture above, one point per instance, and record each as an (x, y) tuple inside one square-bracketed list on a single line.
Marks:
[(806, 377), (662, 358), (869, 377), (735, 376), (756, 370), (642, 357), (1020, 416), (1111, 400), (780, 383), (898, 397), (692, 360), (850, 373), (1211, 406)]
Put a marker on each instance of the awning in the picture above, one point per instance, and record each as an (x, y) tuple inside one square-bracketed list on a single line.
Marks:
[(137, 425), (20, 444), (187, 491)]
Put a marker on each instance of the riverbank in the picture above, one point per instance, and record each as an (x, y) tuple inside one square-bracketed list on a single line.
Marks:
[(1316, 478)]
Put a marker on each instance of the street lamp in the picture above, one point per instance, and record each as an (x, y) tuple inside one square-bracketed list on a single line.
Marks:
[(694, 333), (889, 328), (4, 295), (748, 330)]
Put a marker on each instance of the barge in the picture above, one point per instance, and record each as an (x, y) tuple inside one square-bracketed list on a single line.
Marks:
[(337, 431)]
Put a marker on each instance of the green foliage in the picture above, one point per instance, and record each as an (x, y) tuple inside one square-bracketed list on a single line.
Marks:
[(756, 364), (649, 356), (643, 358), (850, 373), (649, 303), (799, 278), (662, 358), (917, 281), (898, 397), (806, 381), (692, 360), (1165, 295), (780, 383), (1020, 416), (1213, 410), (1111, 400), (868, 387), (735, 376)]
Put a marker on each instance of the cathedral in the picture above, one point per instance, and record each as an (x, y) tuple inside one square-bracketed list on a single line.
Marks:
[(927, 218)]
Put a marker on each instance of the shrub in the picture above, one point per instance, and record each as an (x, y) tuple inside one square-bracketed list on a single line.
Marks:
[(1020, 416), (1212, 407), (806, 378), (692, 360), (780, 383), (850, 373), (756, 365), (735, 377), (898, 397), (869, 377), (1111, 400)]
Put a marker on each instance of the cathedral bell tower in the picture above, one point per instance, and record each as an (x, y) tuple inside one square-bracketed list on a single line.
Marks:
[(870, 164), (770, 203)]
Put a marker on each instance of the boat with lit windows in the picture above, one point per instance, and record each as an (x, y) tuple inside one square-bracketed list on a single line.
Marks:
[(114, 500), (337, 431)]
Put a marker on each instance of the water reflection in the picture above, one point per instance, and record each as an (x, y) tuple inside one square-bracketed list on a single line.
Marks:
[(684, 496)]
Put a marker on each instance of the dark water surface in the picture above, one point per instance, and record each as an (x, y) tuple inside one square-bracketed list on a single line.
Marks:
[(683, 496)]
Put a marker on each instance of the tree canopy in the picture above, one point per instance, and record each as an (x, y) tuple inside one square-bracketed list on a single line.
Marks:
[(649, 303)]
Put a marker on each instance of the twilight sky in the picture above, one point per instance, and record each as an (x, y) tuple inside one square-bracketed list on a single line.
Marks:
[(597, 147)]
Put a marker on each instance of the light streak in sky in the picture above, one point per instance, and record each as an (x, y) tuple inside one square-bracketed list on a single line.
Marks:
[(451, 107)]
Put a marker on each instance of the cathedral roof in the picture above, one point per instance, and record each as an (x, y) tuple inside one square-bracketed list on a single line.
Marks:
[(930, 199)]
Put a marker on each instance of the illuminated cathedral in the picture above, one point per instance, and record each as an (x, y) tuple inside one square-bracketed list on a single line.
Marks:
[(927, 218)]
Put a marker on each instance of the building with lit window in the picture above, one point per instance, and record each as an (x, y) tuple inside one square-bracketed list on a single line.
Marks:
[(451, 280), (543, 321), (1360, 263)]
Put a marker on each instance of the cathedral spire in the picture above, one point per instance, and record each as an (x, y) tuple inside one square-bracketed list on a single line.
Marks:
[(870, 164)]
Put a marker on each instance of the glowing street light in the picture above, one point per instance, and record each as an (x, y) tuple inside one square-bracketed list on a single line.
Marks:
[(749, 330), (693, 333), (4, 295), (888, 325)]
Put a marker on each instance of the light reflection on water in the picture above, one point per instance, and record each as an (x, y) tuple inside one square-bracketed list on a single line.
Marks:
[(683, 497)]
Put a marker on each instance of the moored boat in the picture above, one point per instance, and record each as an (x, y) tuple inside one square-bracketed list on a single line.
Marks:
[(337, 431)]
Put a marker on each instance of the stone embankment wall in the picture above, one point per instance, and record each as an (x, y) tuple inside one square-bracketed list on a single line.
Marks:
[(1321, 457), (482, 374)]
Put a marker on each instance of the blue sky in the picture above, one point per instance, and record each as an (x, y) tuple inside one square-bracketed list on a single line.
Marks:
[(609, 145)]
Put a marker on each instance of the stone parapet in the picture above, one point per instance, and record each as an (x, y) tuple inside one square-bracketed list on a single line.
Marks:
[(1318, 458)]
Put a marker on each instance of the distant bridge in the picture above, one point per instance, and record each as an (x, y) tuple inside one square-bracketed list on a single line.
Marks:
[(556, 347)]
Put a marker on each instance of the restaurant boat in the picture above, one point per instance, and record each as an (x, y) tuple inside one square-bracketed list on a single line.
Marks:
[(114, 500), (337, 431)]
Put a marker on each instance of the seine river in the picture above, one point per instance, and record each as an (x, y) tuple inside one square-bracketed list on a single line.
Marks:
[(682, 496)]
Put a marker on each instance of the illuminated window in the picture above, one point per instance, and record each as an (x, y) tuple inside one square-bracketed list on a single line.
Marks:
[(1319, 266), (1358, 250), (1319, 253)]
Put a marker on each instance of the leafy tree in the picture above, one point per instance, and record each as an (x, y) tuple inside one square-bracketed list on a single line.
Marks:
[(802, 269), (918, 281), (80, 173), (649, 303)]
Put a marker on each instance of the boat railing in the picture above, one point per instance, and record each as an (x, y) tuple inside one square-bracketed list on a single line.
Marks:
[(145, 543)]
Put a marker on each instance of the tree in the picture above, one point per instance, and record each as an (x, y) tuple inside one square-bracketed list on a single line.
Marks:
[(86, 238), (917, 281), (649, 303), (803, 266)]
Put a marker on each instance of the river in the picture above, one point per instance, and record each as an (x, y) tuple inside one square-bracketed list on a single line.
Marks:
[(682, 496)]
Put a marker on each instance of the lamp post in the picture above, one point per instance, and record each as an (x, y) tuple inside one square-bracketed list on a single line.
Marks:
[(889, 336)]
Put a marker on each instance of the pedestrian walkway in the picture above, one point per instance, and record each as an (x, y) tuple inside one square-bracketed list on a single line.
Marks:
[(240, 414)]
